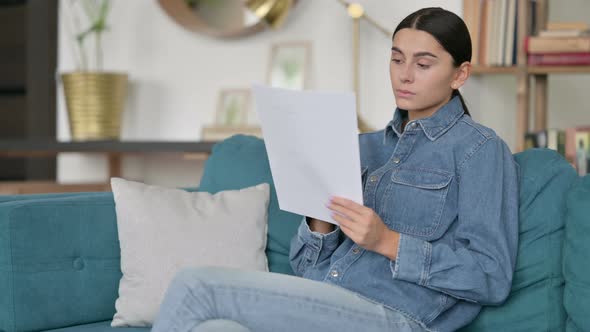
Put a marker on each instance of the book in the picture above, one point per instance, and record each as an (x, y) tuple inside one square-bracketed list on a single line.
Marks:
[(510, 33), (483, 34), (557, 44), (556, 140), (491, 32), (472, 14), (568, 26), (559, 59), (501, 31), (551, 138), (563, 33)]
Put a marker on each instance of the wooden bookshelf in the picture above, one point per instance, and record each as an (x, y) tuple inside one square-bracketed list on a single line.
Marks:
[(530, 98)]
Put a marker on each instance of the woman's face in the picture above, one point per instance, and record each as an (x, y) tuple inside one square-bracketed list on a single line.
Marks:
[(422, 73)]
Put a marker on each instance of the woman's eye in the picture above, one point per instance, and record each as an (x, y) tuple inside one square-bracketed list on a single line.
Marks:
[(398, 61), (423, 66)]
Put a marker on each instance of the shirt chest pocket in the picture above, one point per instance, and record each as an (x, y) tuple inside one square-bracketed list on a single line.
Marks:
[(414, 201)]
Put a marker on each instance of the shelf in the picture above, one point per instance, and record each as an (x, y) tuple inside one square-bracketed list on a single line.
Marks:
[(114, 150), (44, 147), (558, 69), (476, 70)]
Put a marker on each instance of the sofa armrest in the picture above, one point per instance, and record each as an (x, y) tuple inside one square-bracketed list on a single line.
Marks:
[(59, 261)]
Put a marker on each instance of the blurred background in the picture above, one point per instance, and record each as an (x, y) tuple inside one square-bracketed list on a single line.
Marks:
[(181, 72)]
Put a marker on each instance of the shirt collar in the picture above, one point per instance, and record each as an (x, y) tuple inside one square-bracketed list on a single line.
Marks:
[(433, 126)]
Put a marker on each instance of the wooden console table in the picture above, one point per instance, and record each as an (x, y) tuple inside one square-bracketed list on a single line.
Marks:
[(114, 150)]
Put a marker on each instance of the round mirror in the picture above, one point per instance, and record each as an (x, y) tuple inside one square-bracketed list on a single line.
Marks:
[(227, 18)]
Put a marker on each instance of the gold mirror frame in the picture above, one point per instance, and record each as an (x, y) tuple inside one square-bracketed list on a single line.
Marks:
[(182, 14)]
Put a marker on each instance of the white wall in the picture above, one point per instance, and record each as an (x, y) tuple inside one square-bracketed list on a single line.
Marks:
[(176, 76)]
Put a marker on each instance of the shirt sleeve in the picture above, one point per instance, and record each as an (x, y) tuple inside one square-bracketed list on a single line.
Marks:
[(478, 264), (310, 248)]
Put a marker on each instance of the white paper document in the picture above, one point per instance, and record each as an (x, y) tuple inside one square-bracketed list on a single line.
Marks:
[(312, 143)]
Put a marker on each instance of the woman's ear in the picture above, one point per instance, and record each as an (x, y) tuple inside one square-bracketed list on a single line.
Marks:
[(461, 75)]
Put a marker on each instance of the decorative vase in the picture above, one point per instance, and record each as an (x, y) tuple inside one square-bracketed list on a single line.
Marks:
[(95, 102)]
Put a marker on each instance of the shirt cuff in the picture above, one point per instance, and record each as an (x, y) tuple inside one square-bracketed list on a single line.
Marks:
[(413, 260), (318, 240)]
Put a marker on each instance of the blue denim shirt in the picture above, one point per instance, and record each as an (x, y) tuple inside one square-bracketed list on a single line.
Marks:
[(449, 186)]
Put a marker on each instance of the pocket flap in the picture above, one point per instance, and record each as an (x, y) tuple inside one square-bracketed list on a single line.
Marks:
[(421, 178)]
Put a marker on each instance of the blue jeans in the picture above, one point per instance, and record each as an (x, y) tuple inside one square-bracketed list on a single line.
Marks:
[(229, 300)]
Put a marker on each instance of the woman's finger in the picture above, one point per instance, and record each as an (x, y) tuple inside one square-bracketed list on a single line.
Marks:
[(345, 228), (351, 214), (359, 209), (345, 222)]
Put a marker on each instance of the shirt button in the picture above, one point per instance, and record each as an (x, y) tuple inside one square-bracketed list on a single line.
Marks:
[(396, 160), (373, 178), (334, 273), (356, 251)]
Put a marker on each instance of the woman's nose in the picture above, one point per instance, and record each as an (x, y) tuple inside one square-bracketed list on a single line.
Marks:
[(407, 74)]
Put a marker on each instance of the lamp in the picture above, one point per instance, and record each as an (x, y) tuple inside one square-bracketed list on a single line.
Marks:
[(357, 12), (273, 12)]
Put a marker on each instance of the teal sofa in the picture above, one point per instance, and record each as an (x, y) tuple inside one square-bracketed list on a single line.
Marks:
[(59, 253)]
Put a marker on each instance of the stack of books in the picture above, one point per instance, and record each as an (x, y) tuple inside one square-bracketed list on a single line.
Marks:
[(572, 143), (561, 44)]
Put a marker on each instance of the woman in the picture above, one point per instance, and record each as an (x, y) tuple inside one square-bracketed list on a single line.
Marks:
[(435, 239)]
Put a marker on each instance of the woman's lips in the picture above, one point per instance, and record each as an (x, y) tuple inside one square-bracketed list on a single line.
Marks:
[(404, 93)]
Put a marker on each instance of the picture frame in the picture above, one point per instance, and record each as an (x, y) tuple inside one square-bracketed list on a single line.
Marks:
[(582, 153), (289, 65), (232, 116), (232, 107)]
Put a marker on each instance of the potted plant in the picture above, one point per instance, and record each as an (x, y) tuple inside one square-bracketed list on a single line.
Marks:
[(95, 99)]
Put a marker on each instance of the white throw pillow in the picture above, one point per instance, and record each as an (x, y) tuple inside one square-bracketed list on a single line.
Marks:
[(162, 230)]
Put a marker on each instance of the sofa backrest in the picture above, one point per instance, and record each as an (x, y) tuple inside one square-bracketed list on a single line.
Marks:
[(576, 257), (239, 162), (535, 302)]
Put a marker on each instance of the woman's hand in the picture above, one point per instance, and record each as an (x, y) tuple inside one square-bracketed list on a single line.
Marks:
[(363, 226)]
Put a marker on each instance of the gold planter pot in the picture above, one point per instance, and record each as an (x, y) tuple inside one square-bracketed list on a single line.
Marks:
[(95, 102)]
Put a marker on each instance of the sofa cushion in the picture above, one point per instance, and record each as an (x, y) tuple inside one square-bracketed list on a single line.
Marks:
[(576, 251), (100, 327), (535, 300), (59, 262), (239, 162), (163, 230)]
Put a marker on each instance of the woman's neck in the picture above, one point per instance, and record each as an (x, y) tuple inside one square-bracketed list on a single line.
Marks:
[(426, 112)]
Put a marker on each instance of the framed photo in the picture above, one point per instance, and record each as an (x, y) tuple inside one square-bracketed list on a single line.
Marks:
[(233, 107), (289, 65), (582, 152), (232, 116)]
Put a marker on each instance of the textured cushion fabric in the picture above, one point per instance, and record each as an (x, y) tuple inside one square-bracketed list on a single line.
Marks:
[(576, 269), (163, 230), (239, 162), (59, 262), (100, 327), (535, 300)]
